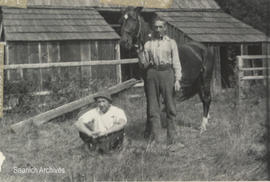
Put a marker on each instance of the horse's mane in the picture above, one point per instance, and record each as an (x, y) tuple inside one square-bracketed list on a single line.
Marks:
[(145, 31)]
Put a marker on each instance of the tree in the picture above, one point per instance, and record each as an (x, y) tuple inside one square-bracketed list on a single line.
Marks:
[(253, 12)]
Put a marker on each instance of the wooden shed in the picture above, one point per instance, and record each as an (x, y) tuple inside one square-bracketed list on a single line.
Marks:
[(50, 34), (199, 20), (228, 37)]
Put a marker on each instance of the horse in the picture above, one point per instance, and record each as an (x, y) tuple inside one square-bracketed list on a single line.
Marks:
[(196, 59)]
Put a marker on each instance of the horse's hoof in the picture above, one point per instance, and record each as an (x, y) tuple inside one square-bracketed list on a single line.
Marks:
[(202, 129), (203, 125)]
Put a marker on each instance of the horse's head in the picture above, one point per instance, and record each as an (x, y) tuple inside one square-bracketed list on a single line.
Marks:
[(130, 26)]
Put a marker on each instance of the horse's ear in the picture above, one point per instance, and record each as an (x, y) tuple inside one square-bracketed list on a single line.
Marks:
[(123, 9), (138, 9)]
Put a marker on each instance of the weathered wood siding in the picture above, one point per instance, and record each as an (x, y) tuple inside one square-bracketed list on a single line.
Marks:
[(177, 35), (62, 51)]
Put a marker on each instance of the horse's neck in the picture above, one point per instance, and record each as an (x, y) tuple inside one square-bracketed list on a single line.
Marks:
[(145, 31)]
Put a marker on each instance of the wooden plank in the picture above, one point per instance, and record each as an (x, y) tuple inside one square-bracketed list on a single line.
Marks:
[(40, 70), (45, 73), (21, 57), (66, 11), (52, 16), (70, 52), (240, 76), (118, 67), (217, 86), (255, 77), (85, 69), (243, 52), (53, 57), (33, 75), (266, 51), (247, 57), (58, 29), (12, 59), (107, 73), (244, 49), (94, 57), (70, 64), (77, 23), (45, 36), (254, 69), (72, 106), (7, 60)]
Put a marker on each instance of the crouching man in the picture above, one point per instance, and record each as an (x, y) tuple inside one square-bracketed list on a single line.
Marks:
[(102, 128)]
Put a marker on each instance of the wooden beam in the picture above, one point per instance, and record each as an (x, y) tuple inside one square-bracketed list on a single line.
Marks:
[(255, 77), (118, 66), (51, 114), (255, 57), (7, 60), (69, 64)]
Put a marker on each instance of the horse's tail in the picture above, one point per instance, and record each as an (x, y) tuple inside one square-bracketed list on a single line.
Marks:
[(209, 61)]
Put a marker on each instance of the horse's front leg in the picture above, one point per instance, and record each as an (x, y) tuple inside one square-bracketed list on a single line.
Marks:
[(205, 97)]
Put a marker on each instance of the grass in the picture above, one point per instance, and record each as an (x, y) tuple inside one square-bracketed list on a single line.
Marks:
[(231, 149)]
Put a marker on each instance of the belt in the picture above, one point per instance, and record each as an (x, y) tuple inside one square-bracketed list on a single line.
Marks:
[(161, 67)]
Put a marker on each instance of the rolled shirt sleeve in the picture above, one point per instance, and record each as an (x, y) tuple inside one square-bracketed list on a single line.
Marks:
[(176, 61)]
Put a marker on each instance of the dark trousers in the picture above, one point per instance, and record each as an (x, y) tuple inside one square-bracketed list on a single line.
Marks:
[(161, 82), (105, 143)]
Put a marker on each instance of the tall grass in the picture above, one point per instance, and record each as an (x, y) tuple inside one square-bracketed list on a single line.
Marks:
[(231, 149)]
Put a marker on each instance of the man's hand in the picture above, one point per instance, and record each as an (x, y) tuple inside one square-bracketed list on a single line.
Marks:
[(95, 134), (177, 85)]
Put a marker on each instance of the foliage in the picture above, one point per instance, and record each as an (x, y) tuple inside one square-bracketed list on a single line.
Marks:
[(21, 97), (255, 13)]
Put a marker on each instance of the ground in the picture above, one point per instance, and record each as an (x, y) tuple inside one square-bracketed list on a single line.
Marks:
[(231, 149)]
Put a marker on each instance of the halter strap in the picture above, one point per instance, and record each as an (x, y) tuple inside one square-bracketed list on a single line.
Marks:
[(139, 32), (140, 27)]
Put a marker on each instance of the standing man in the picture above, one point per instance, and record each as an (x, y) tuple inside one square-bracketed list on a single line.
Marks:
[(163, 74), (102, 121)]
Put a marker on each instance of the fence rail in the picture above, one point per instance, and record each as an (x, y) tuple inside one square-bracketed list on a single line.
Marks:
[(253, 67), (70, 64), (42, 76), (248, 67)]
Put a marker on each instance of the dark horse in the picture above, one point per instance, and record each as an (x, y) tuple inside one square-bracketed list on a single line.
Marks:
[(197, 61)]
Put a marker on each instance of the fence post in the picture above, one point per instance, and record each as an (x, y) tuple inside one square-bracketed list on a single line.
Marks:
[(118, 66), (240, 78)]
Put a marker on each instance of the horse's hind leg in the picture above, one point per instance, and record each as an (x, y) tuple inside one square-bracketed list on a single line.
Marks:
[(205, 96)]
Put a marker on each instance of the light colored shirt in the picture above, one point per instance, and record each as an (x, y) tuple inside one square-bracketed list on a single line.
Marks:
[(103, 121), (163, 51)]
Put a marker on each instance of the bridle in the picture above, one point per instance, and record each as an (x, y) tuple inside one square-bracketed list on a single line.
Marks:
[(137, 44), (138, 34)]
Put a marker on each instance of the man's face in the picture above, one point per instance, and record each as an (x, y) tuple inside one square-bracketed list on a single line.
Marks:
[(103, 104), (159, 28)]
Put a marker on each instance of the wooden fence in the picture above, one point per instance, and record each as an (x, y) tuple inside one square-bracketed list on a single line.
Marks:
[(252, 68), (60, 65)]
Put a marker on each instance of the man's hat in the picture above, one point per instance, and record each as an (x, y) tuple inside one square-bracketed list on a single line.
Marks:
[(105, 95)]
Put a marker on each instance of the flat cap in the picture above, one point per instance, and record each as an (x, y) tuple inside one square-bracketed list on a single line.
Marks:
[(104, 94)]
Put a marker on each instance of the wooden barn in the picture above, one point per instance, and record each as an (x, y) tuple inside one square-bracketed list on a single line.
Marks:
[(74, 29), (54, 35)]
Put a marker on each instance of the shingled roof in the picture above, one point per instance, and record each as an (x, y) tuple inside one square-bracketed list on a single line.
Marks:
[(47, 24), (212, 26), (179, 4), (194, 4)]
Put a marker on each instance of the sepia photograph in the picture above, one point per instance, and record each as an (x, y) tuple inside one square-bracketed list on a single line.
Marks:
[(142, 90)]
